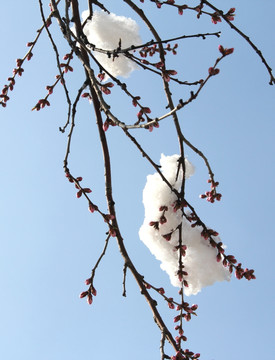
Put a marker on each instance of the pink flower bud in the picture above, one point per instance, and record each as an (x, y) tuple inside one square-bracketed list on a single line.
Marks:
[(140, 113), (87, 190), (11, 80), (68, 56), (112, 232), (92, 207), (19, 62), (20, 71), (83, 294), (89, 299), (224, 262), (143, 61), (109, 217), (212, 71), (155, 224), (135, 100), (187, 317), (48, 22), (162, 220), (94, 292), (50, 89), (172, 72), (167, 237), (160, 64), (232, 259), (215, 18), (105, 90), (219, 257), (228, 51), (79, 194), (29, 56), (221, 49), (161, 291), (238, 274), (105, 126), (66, 67), (101, 76), (146, 110), (171, 305)]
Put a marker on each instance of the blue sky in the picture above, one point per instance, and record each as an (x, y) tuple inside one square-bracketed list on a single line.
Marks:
[(50, 242)]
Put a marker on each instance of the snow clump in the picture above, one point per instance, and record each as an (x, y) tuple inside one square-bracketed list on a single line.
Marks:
[(105, 32), (200, 260)]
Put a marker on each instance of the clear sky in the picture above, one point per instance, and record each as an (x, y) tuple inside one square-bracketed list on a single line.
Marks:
[(49, 240)]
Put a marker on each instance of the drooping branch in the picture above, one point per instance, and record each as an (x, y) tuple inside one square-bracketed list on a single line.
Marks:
[(111, 203), (85, 52), (247, 39)]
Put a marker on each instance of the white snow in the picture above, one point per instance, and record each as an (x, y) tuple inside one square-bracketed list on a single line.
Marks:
[(200, 259), (105, 31)]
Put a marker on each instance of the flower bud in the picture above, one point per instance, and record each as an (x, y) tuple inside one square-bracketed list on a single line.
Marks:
[(161, 291), (83, 294), (94, 292), (89, 299), (212, 71), (88, 281), (79, 194), (112, 232)]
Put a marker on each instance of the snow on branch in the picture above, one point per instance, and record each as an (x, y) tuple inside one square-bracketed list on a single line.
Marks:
[(160, 232), (100, 32)]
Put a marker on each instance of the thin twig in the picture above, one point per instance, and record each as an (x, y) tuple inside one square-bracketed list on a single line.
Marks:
[(100, 258), (247, 39), (124, 278), (57, 61)]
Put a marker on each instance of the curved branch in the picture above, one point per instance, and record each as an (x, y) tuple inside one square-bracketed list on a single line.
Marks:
[(109, 197), (254, 47)]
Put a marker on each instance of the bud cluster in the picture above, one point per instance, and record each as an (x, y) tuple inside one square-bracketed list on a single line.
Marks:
[(105, 88), (185, 355), (180, 248), (143, 112), (43, 102), (151, 50), (212, 195), (107, 123), (162, 220), (185, 313), (80, 189), (89, 293), (16, 71)]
